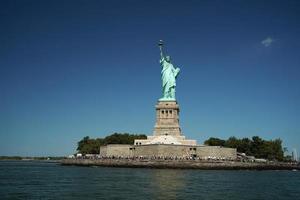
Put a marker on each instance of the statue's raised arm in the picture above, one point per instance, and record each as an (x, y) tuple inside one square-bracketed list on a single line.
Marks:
[(160, 44), (168, 76)]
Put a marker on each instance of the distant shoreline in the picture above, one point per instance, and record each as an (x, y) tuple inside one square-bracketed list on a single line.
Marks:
[(181, 164), (29, 158)]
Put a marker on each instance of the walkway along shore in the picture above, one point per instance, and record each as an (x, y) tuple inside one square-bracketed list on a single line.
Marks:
[(182, 164)]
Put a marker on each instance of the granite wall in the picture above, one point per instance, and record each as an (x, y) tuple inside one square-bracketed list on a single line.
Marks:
[(116, 150), (203, 152), (216, 151)]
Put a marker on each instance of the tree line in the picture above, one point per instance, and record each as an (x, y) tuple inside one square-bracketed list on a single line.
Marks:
[(92, 146), (256, 146)]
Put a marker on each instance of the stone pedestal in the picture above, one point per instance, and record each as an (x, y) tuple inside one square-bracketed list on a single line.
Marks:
[(167, 119), (166, 129)]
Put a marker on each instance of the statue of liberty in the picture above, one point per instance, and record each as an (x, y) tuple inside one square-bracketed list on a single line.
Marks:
[(168, 76)]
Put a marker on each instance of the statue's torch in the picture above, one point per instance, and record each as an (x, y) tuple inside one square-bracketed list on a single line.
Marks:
[(160, 44)]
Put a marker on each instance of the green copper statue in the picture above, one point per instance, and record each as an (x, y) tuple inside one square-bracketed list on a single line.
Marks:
[(168, 76)]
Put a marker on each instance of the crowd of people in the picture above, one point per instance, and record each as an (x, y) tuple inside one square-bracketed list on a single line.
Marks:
[(154, 157)]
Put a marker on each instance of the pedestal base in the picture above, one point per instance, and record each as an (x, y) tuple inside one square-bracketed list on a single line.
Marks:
[(166, 129), (167, 119)]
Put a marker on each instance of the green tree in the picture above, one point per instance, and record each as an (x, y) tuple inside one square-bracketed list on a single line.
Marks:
[(257, 147), (89, 146), (92, 146), (245, 146), (268, 149), (232, 142), (214, 142)]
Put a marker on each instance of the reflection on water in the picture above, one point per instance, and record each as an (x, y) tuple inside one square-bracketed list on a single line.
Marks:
[(167, 183)]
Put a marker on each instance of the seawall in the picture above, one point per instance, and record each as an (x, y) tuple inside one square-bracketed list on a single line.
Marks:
[(181, 164)]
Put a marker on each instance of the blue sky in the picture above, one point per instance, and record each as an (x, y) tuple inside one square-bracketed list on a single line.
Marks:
[(69, 69)]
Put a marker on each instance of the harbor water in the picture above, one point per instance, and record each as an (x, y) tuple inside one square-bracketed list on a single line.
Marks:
[(50, 180)]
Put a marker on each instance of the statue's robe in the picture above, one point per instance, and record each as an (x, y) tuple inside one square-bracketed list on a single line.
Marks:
[(168, 76)]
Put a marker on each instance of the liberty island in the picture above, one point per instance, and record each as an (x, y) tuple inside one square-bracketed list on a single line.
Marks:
[(167, 139), (168, 146)]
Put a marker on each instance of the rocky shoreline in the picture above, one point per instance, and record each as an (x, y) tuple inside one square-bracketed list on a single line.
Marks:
[(182, 164)]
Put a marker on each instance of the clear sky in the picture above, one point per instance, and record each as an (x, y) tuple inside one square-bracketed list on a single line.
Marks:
[(69, 69)]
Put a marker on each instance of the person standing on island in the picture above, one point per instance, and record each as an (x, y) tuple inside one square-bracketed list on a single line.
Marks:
[(168, 76)]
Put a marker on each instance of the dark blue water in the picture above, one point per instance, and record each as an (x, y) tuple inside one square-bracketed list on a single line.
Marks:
[(42, 180)]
